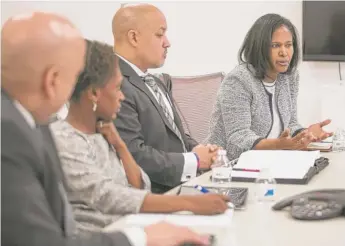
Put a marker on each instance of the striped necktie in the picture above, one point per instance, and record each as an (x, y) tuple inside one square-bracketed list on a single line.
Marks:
[(151, 82)]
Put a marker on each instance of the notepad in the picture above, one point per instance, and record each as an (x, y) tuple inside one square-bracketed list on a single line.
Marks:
[(325, 145), (283, 164), (322, 146)]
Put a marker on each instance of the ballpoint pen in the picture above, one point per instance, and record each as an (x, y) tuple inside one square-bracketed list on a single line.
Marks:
[(204, 190)]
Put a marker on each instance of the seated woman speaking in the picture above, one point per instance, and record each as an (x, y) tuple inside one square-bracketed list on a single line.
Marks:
[(103, 180), (256, 106)]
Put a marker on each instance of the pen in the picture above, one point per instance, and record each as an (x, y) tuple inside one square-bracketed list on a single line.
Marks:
[(204, 190), (246, 170)]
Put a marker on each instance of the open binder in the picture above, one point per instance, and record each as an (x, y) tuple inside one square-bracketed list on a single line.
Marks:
[(287, 167)]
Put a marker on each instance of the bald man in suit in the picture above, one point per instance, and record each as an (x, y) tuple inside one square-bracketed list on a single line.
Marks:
[(148, 121)]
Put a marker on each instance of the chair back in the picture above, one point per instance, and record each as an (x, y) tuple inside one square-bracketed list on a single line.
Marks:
[(194, 98)]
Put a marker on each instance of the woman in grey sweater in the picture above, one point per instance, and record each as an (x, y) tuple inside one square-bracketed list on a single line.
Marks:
[(103, 180), (256, 106)]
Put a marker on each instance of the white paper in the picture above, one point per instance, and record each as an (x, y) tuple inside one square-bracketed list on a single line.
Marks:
[(320, 145), (282, 164), (178, 219)]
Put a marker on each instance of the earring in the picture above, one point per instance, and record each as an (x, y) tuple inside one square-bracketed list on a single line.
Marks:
[(94, 107)]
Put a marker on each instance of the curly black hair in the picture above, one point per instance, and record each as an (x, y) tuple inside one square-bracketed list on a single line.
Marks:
[(100, 66)]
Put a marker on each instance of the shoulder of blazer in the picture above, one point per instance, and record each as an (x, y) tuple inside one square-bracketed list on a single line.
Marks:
[(127, 88), (242, 76)]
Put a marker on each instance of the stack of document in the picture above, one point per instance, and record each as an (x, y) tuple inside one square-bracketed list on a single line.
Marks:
[(325, 145), (283, 164)]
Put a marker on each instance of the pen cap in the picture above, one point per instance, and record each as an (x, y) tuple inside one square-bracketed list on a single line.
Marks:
[(202, 189)]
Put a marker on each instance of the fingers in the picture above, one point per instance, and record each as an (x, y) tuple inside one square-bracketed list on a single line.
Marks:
[(300, 135), (205, 239), (102, 124), (172, 235), (225, 198), (307, 139), (325, 123), (303, 142), (222, 203), (99, 126), (325, 135), (189, 236), (197, 147), (212, 147), (285, 133), (313, 137)]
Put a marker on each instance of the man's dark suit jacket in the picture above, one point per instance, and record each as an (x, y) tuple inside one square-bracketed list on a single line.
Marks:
[(32, 207), (146, 131)]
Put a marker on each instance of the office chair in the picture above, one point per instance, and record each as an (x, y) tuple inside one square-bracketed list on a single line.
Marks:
[(194, 98)]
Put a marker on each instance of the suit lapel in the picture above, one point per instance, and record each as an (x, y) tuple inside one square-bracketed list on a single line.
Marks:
[(36, 141), (135, 80), (51, 152)]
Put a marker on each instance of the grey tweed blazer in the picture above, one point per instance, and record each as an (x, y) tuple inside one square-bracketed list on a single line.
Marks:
[(243, 113)]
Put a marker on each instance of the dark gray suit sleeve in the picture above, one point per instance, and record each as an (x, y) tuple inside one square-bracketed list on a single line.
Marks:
[(27, 218), (162, 167), (190, 142)]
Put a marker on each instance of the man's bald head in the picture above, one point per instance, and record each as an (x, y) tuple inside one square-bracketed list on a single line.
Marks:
[(139, 35), (42, 54), (132, 17)]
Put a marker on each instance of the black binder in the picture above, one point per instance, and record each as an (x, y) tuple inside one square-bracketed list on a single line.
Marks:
[(319, 165)]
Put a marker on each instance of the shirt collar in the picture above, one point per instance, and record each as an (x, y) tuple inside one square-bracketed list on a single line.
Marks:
[(269, 84), (134, 67), (26, 114)]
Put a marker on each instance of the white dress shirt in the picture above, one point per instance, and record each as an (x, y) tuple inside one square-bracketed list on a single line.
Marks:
[(190, 162), (277, 125), (26, 114)]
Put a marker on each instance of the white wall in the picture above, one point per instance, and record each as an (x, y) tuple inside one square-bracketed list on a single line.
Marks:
[(205, 38)]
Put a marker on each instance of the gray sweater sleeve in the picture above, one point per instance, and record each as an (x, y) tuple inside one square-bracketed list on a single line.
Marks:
[(294, 126), (236, 114)]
